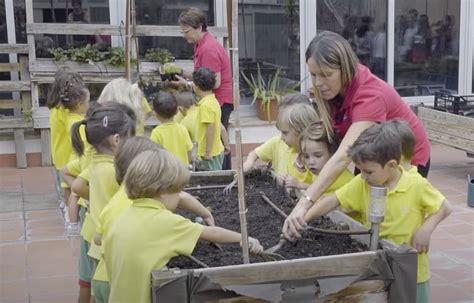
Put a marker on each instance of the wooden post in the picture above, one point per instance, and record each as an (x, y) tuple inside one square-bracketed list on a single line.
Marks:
[(20, 151), (238, 135), (25, 76), (46, 147), (127, 41)]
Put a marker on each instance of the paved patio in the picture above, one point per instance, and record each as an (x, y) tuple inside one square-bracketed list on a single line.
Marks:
[(38, 263)]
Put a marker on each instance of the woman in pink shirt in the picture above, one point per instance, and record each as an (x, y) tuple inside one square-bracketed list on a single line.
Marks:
[(350, 99)]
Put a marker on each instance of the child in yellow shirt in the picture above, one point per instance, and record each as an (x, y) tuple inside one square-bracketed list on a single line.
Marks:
[(120, 201), (275, 150), (173, 136), (292, 120), (125, 92), (61, 148), (316, 150), (148, 233), (413, 207), (208, 123), (105, 127)]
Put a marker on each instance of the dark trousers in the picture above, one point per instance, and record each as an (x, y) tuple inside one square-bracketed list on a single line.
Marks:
[(226, 109)]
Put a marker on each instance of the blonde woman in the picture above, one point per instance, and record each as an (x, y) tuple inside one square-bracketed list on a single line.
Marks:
[(349, 99), (125, 92)]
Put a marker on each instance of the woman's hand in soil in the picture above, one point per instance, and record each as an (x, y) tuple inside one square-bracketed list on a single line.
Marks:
[(254, 246), (295, 224), (181, 82)]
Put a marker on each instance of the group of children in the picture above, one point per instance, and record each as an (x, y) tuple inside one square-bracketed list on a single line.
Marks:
[(383, 155), (123, 188), (196, 124), (94, 148)]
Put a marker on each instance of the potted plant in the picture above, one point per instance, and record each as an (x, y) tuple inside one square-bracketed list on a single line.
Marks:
[(266, 93)]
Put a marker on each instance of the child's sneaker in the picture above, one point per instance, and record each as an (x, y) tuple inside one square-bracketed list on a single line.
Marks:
[(73, 229)]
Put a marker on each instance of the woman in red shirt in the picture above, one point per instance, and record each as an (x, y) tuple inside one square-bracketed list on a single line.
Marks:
[(350, 99)]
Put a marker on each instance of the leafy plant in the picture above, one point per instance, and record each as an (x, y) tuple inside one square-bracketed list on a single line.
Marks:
[(28, 115), (116, 56), (87, 54), (59, 54), (159, 55)]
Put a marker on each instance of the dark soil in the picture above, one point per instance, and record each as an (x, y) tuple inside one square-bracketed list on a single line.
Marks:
[(264, 224)]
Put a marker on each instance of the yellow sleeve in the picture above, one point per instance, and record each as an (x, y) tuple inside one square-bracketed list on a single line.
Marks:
[(156, 136), (189, 143), (266, 150), (351, 196), (431, 199), (342, 180), (85, 174), (146, 106), (178, 117), (207, 115), (74, 167), (184, 234)]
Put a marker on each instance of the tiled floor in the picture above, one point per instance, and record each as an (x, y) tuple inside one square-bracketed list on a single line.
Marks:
[(38, 263)]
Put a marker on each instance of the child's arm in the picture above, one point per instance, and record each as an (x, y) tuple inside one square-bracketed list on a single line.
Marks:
[(221, 235), (250, 161), (421, 239), (209, 141), (190, 203), (81, 188), (293, 182), (67, 176), (225, 139)]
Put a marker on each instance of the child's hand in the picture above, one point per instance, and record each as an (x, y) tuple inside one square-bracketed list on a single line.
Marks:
[(227, 149), (290, 181), (209, 220), (207, 156), (421, 239), (254, 246)]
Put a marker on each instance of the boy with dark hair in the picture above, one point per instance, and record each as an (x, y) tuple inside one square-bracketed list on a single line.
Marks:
[(413, 208), (208, 124), (173, 136)]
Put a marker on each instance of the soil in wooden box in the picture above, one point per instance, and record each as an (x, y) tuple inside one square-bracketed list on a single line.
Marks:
[(264, 224)]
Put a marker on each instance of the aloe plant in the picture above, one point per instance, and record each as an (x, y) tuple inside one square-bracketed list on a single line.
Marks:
[(267, 91)]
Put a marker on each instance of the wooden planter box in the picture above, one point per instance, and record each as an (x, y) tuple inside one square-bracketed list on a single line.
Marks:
[(385, 275)]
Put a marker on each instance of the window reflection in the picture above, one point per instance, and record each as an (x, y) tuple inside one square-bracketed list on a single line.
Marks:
[(70, 11), (426, 46), (160, 12), (363, 24), (269, 37)]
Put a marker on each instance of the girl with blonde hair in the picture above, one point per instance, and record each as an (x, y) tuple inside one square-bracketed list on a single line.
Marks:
[(125, 92)]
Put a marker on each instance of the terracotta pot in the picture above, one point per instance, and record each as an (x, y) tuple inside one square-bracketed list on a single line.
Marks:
[(262, 110)]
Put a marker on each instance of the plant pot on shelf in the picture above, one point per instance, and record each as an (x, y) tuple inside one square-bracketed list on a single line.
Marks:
[(267, 111)]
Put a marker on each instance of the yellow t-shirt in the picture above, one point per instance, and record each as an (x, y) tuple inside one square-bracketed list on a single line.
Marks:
[(144, 238), (61, 146), (88, 226), (109, 215), (345, 177), (174, 137), (146, 109), (276, 151), (305, 176), (407, 206), (209, 112), (102, 184), (413, 170), (189, 121)]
